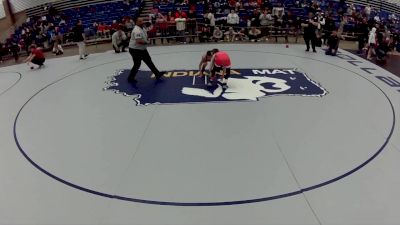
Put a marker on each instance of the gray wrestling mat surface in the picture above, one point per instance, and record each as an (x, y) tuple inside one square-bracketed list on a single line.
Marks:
[(297, 138)]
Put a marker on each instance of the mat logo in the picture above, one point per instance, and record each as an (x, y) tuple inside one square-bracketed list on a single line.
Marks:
[(243, 85)]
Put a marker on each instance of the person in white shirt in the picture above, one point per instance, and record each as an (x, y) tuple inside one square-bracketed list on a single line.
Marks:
[(119, 41), (138, 51), (211, 19), (180, 28), (232, 19), (265, 20), (371, 43), (367, 10)]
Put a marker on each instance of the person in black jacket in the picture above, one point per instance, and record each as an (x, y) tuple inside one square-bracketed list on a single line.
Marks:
[(328, 28), (333, 43), (79, 38), (310, 27), (362, 34)]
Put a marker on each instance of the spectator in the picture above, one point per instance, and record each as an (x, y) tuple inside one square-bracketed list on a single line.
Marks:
[(343, 22), (333, 44), (2, 52), (367, 10), (119, 41), (103, 30), (14, 49), (254, 34), (162, 25), (255, 18), (232, 4), (321, 22), (151, 32), (180, 14), (79, 38), (191, 24), (210, 20), (129, 24), (310, 25), (327, 28), (57, 41), (232, 19), (36, 57), (171, 24), (230, 35), (153, 15), (265, 18), (371, 43), (205, 34), (242, 36), (217, 35), (114, 27), (362, 34), (297, 28), (180, 28)]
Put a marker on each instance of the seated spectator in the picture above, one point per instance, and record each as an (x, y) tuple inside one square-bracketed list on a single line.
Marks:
[(254, 34), (119, 41), (217, 36), (242, 36), (204, 34), (333, 44), (57, 41), (36, 57), (103, 30), (230, 35)]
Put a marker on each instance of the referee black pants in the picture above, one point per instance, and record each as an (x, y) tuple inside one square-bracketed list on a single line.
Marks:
[(138, 56), (310, 37)]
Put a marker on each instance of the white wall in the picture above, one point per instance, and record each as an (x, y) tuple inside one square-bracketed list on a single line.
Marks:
[(2, 12), (21, 5)]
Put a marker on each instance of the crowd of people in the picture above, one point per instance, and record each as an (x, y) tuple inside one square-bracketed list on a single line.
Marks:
[(51, 31), (325, 22), (223, 20)]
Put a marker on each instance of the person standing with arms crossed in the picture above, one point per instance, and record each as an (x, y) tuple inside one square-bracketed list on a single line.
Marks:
[(138, 50)]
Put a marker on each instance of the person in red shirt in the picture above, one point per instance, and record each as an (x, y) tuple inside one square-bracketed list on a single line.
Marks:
[(103, 30), (220, 61), (36, 57), (180, 14)]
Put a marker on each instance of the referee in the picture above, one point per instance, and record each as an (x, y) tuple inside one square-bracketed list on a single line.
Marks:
[(138, 50)]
